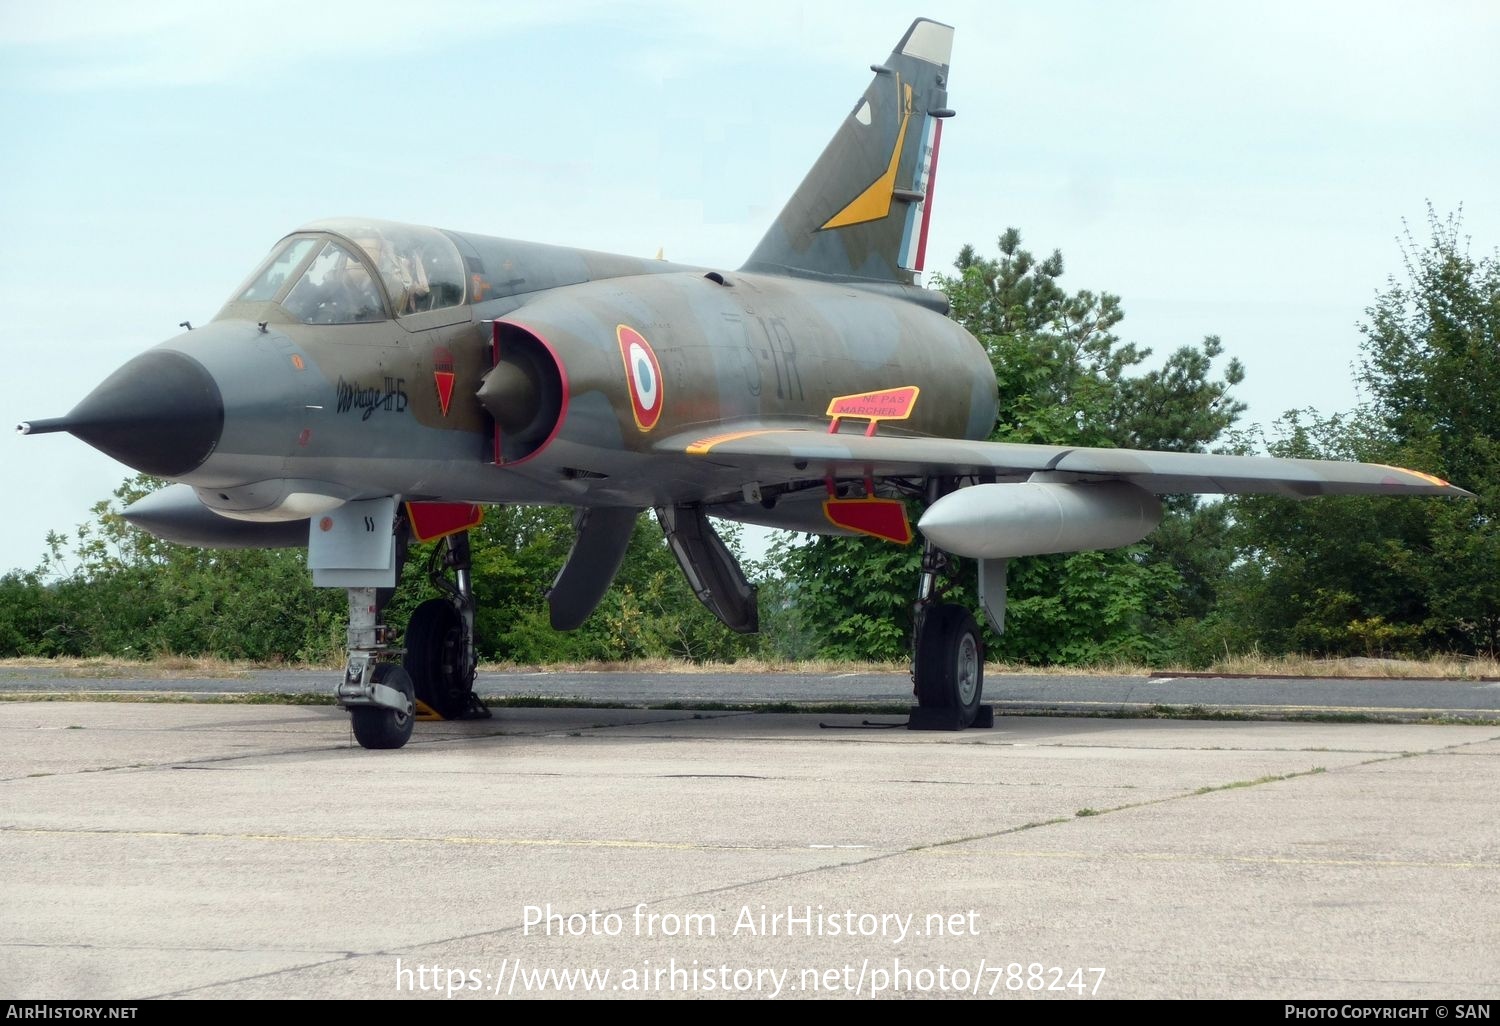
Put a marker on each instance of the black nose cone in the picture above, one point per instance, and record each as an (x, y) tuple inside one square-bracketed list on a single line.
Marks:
[(161, 413)]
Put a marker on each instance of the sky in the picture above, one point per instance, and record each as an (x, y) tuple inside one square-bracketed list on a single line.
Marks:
[(1239, 170)]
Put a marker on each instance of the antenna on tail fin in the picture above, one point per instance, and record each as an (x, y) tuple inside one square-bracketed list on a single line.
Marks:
[(862, 212)]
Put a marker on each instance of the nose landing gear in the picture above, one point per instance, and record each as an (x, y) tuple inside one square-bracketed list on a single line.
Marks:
[(384, 726), (435, 671), (377, 692)]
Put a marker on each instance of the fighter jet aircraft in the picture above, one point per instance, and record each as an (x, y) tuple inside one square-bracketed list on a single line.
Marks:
[(373, 383)]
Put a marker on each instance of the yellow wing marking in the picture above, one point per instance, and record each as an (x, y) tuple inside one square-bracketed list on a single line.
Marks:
[(703, 445), (1417, 473)]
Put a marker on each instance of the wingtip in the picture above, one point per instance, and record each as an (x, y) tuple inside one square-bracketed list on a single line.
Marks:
[(1438, 486)]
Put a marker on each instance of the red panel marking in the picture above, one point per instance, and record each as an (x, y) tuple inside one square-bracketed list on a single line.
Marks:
[(937, 142), (326, 524), (879, 518), (433, 520), (297, 362), (305, 436), (442, 376), (444, 380)]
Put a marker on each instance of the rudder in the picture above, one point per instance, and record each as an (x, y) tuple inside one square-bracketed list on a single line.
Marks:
[(862, 212)]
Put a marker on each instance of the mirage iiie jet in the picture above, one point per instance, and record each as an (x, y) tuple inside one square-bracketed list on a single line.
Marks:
[(373, 383)]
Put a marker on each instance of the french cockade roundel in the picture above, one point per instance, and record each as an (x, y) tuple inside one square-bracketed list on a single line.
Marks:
[(642, 375)]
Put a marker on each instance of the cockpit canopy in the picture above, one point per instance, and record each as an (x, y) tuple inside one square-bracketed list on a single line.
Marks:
[(349, 272)]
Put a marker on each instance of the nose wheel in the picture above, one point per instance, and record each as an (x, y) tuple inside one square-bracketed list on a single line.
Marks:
[(386, 726)]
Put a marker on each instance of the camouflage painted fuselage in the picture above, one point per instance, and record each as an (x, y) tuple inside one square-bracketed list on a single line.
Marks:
[(357, 410)]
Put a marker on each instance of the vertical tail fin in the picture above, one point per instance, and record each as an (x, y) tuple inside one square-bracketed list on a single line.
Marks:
[(862, 211)]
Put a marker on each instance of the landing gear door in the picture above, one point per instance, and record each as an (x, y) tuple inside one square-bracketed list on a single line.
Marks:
[(354, 546)]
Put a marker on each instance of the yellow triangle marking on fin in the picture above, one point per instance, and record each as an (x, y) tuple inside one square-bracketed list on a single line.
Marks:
[(875, 202)]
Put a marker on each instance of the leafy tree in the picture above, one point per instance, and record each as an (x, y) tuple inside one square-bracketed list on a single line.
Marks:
[(649, 612), (1066, 378), (1377, 575), (108, 589), (25, 614)]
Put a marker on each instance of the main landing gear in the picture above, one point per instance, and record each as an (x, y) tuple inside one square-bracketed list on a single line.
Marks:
[(440, 636), (436, 668), (948, 650)]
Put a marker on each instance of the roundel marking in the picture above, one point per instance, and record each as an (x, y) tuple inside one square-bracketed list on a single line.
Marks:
[(642, 377)]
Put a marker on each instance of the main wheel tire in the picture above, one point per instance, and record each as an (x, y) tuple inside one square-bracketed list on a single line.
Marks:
[(950, 662), (376, 726), (435, 658)]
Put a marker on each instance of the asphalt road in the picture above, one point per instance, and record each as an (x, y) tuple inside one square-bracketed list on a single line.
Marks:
[(1062, 694)]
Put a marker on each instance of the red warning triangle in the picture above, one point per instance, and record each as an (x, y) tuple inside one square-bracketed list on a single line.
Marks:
[(444, 381)]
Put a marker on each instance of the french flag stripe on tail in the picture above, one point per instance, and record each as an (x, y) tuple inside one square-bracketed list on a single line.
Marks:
[(929, 183), (919, 215)]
